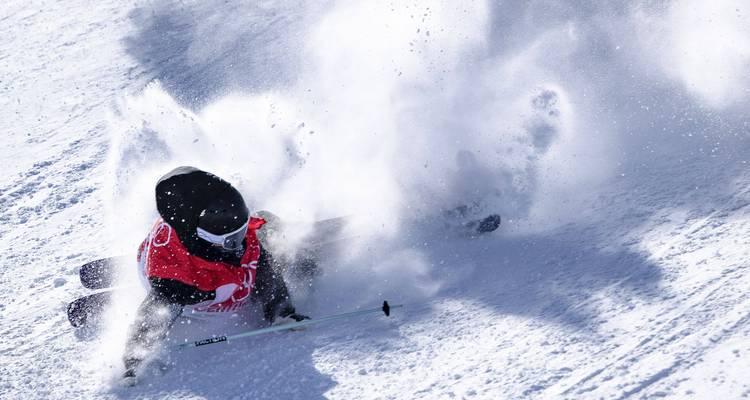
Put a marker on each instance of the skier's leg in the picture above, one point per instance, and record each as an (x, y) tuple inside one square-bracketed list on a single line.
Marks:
[(154, 318), (270, 289), (269, 233)]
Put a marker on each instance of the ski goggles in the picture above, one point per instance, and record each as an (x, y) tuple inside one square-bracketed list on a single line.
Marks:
[(229, 241)]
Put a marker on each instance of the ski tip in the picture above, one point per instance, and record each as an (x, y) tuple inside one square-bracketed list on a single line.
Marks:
[(489, 224), (75, 317), (386, 309)]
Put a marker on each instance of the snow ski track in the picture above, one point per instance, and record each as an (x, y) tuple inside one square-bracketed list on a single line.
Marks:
[(691, 327)]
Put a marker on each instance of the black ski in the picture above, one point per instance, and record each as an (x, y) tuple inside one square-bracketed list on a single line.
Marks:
[(465, 219), (97, 274), (88, 309), (485, 225)]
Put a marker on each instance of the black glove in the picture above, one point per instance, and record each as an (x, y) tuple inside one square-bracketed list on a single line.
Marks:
[(288, 312)]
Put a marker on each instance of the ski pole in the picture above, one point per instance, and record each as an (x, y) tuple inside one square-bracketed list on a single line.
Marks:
[(386, 309)]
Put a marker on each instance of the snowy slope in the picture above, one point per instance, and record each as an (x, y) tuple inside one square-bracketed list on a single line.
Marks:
[(614, 139)]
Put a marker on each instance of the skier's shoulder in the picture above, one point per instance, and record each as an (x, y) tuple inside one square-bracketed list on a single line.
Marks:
[(163, 243), (255, 222)]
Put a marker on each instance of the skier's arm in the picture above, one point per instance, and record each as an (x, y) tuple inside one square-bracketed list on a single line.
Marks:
[(270, 289), (178, 292), (155, 316)]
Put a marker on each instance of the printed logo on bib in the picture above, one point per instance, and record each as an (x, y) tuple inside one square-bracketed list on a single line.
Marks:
[(225, 307), (251, 265), (230, 297)]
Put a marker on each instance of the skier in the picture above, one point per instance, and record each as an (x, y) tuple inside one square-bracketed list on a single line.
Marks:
[(202, 257)]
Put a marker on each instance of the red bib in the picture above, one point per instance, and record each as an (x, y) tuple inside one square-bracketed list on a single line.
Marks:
[(167, 258)]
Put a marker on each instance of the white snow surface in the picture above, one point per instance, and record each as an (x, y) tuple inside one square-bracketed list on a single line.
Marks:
[(613, 137)]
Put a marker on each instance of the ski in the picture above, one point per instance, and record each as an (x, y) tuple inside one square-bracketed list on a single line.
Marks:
[(99, 274), (466, 219), (96, 275), (88, 309), (487, 224)]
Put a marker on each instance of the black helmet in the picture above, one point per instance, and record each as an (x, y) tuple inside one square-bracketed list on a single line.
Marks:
[(208, 214), (224, 221)]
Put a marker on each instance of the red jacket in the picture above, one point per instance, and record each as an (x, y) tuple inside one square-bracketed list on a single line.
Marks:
[(164, 256)]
